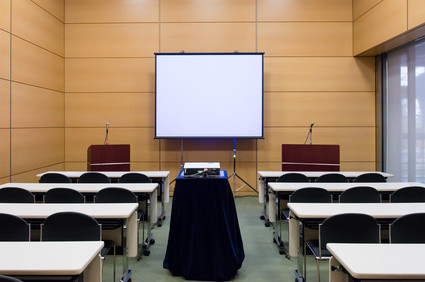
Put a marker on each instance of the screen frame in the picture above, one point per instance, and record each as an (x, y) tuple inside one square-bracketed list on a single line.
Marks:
[(212, 137)]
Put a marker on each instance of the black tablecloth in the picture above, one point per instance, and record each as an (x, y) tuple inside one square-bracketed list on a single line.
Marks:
[(204, 242)]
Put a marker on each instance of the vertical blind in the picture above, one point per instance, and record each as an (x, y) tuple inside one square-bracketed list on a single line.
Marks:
[(405, 156)]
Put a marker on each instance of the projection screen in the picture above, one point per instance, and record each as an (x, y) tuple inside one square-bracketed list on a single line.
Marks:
[(209, 95)]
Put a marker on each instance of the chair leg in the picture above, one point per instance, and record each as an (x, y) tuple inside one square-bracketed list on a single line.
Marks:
[(318, 268), (115, 265), (305, 262)]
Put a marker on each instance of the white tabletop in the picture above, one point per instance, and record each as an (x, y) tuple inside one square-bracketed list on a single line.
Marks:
[(84, 187), (121, 211), (111, 174), (316, 174), (47, 258), (377, 210), (381, 261), (339, 187)]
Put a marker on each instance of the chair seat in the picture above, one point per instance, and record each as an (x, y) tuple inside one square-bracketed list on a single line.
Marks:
[(285, 214), (108, 246), (313, 245)]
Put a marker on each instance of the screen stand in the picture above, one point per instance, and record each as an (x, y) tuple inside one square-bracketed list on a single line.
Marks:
[(181, 155), (234, 174)]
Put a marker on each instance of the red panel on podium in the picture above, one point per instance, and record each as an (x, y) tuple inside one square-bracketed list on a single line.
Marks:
[(297, 157), (108, 157)]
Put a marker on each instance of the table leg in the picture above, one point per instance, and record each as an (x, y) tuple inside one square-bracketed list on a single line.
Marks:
[(335, 272), (131, 227), (300, 271), (93, 272), (153, 217)]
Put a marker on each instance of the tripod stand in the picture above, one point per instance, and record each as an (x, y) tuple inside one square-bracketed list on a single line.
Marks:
[(234, 174)]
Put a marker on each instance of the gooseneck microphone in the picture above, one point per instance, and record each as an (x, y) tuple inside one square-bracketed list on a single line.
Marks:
[(311, 133), (107, 133)]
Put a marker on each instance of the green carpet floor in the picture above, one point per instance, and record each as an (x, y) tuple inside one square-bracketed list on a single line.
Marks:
[(262, 260)]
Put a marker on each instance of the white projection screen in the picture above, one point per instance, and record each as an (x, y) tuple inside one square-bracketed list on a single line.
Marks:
[(209, 95)]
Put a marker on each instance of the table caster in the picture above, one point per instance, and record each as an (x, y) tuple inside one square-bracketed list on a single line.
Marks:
[(267, 224), (262, 217), (159, 224), (274, 241), (146, 252), (152, 241)]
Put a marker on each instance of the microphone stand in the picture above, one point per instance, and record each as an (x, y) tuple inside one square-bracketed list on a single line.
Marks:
[(107, 134)]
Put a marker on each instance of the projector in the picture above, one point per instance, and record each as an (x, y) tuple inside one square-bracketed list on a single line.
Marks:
[(202, 169)]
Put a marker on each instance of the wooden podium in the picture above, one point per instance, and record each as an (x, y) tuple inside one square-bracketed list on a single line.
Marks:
[(108, 157), (297, 157)]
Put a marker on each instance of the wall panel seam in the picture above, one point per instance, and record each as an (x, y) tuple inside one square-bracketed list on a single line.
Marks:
[(41, 47), (49, 12), (37, 86), (42, 167), (355, 19)]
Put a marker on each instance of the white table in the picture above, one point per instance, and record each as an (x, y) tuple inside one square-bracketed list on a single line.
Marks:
[(161, 176), (308, 212), (52, 259), (378, 261), (124, 212)]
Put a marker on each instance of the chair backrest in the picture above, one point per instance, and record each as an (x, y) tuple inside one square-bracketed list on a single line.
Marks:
[(70, 226), (348, 228), (63, 195), (408, 229), (93, 177), (16, 195), (360, 194), (311, 195), (411, 194), (293, 177), (115, 195), (332, 177), (370, 177), (53, 177), (13, 228), (134, 177), (4, 278)]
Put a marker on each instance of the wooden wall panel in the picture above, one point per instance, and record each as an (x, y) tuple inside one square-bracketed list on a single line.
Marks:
[(207, 10), (5, 15), (119, 109), (361, 7), (356, 143), (32, 23), (101, 11), (35, 66), (304, 10), (324, 108), (33, 148), (207, 37), (134, 166), (112, 40), (142, 144), (4, 152), (54, 7), (36, 107), (345, 166), (383, 22), (4, 103), (110, 75), (305, 39), (319, 74), (416, 13), (4, 55), (30, 176)]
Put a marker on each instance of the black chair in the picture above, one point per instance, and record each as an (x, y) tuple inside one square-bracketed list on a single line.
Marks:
[(293, 177), (134, 177), (370, 177), (360, 194), (63, 195), (409, 228), (74, 226), (342, 228), (4, 278), (311, 195), (13, 228), (53, 177), (411, 194), (332, 177), (16, 195), (93, 177)]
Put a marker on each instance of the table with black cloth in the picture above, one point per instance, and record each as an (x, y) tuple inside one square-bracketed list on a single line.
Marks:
[(204, 242)]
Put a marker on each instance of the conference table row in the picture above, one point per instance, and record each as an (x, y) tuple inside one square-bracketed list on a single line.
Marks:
[(46, 265), (160, 177)]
